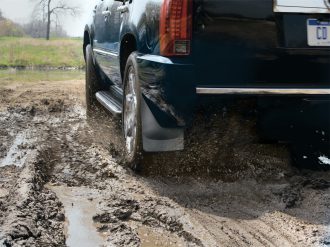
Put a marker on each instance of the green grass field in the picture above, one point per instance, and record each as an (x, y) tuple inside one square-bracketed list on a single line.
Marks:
[(9, 76), (39, 53)]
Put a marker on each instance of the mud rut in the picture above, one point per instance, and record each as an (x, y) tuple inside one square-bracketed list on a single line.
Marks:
[(63, 181)]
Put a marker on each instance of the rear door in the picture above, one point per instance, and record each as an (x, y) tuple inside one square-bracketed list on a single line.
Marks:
[(106, 49), (99, 25)]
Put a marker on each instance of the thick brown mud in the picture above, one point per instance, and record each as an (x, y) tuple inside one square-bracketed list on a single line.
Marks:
[(63, 181)]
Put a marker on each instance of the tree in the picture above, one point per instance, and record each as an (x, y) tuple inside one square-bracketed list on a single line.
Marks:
[(36, 28), (54, 8), (9, 28)]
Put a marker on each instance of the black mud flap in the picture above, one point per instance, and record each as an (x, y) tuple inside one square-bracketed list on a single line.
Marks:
[(156, 138)]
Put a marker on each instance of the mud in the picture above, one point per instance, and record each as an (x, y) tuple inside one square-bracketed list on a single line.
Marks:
[(63, 181)]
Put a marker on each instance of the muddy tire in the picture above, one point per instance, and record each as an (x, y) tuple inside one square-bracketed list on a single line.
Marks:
[(92, 82), (131, 117)]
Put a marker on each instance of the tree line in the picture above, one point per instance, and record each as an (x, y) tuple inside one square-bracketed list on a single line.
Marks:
[(9, 28), (45, 20)]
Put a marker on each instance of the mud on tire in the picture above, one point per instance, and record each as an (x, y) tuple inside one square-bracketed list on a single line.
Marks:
[(92, 82)]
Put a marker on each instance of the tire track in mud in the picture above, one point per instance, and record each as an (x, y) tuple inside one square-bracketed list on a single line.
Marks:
[(259, 217), (33, 215), (246, 213), (81, 161), (68, 156), (231, 232), (263, 205), (30, 214)]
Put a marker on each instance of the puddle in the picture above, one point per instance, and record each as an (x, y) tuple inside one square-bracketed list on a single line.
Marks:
[(151, 238), (80, 205), (16, 154), (79, 210)]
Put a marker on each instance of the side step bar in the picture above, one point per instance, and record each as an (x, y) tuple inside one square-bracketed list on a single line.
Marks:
[(111, 100), (264, 91)]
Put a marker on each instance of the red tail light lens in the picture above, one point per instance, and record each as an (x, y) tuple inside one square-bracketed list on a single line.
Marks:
[(175, 27)]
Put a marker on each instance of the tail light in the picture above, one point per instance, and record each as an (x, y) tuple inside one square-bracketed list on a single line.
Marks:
[(175, 27)]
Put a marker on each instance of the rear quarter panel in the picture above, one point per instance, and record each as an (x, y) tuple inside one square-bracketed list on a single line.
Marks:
[(143, 23)]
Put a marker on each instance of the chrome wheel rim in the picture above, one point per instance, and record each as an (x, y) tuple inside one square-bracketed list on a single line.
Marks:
[(130, 114)]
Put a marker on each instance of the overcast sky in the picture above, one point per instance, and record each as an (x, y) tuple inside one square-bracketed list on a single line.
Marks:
[(20, 11)]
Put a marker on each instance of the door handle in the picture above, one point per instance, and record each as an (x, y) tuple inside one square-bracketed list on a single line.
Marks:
[(123, 9)]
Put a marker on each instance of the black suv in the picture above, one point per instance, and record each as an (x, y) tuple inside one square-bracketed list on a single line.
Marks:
[(150, 60)]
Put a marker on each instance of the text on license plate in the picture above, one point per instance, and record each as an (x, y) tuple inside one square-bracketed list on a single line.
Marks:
[(318, 32)]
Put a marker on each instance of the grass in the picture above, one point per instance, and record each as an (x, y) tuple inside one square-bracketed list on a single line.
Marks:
[(9, 76), (29, 52)]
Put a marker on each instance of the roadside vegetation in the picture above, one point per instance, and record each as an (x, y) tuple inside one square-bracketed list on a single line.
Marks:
[(10, 28), (10, 76), (25, 52), (24, 45)]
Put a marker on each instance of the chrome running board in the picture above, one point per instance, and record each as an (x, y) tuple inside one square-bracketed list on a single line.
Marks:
[(111, 100)]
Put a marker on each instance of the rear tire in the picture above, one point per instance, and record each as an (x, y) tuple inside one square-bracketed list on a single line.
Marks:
[(92, 82), (131, 117)]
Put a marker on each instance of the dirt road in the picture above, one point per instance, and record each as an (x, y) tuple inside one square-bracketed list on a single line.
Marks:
[(63, 183)]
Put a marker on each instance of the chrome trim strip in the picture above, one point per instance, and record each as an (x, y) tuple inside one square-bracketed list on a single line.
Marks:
[(156, 58), (264, 91), (105, 52), (301, 6), (304, 10)]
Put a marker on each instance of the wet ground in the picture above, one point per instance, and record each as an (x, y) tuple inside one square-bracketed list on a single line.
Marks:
[(63, 181)]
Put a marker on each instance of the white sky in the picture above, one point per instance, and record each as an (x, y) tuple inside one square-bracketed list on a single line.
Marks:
[(20, 11)]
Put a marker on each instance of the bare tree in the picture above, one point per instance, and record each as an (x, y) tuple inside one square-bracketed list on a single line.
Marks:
[(52, 8)]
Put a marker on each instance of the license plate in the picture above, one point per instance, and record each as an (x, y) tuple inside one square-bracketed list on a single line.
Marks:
[(318, 32)]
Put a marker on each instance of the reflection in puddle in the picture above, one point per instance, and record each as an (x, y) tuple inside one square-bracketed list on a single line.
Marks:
[(80, 229)]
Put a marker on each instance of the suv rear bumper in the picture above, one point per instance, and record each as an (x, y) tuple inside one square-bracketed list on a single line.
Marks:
[(170, 88)]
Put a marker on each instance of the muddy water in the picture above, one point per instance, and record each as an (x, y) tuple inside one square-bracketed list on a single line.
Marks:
[(80, 206), (16, 155)]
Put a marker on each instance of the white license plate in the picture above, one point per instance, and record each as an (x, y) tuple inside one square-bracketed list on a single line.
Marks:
[(318, 32)]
